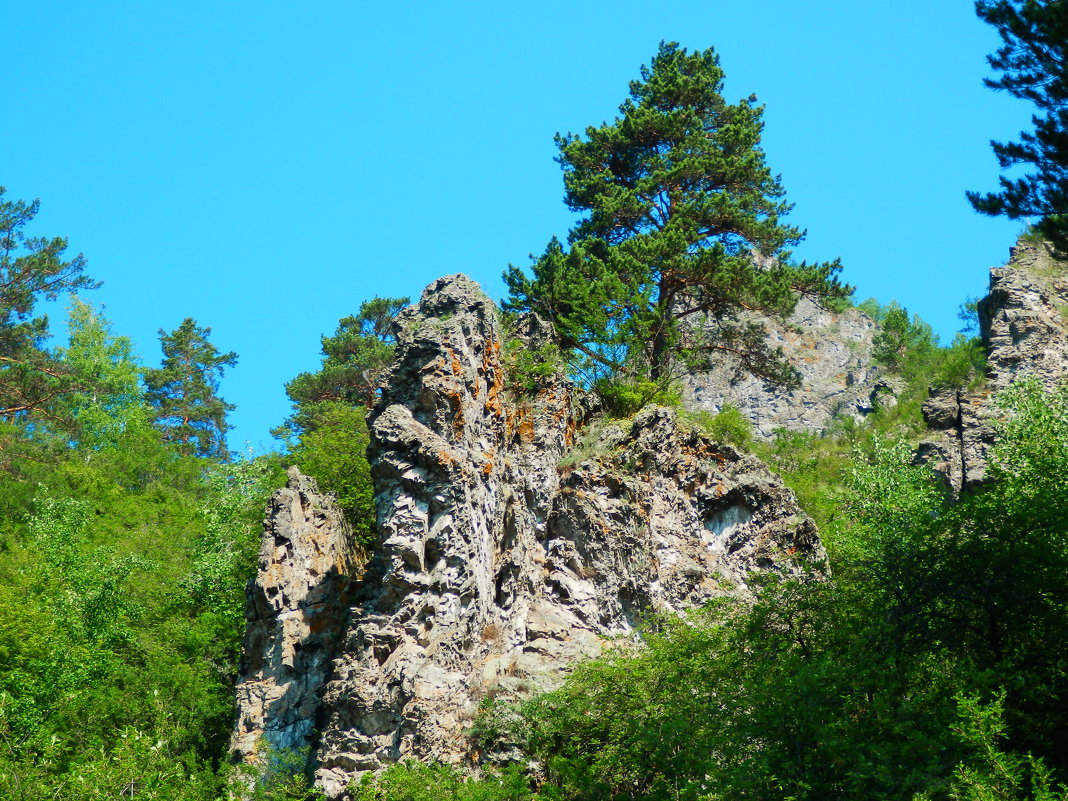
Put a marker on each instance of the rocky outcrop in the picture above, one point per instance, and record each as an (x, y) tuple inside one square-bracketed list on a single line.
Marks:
[(506, 553), (1022, 323), (296, 611), (1024, 318), (832, 352), (960, 436)]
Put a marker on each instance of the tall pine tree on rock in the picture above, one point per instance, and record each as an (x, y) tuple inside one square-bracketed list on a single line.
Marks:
[(184, 391), (682, 225)]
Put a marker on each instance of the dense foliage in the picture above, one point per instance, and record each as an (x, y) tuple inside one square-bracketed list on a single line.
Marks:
[(682, 231), (123, 557)]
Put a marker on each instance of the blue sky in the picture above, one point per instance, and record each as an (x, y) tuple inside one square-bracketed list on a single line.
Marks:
[(265, 167)]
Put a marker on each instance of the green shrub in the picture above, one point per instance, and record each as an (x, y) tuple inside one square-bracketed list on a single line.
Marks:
[(625, 397), (415, 781), (334, 453), (528, 369), (728, 425)]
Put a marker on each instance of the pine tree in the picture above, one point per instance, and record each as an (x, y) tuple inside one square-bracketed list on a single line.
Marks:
[(184, 390), (355, 361), (1033, 60), (683, 225), (31, 268)]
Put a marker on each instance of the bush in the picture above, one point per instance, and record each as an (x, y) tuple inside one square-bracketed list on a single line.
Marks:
[(729, 425), (334, 453), (414, 781), (622, 397)]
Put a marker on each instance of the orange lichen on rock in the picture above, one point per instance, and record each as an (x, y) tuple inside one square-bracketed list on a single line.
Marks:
[(454, 362), (456, 403), (526, 428), (491, 367)]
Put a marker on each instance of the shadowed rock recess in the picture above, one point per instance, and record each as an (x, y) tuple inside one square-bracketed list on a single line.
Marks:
[(507, 551)]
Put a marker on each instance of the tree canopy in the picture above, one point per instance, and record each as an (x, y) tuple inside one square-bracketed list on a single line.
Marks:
[(682, 231), (1033, 60), (31, 268), (184, 390), (355, 360)]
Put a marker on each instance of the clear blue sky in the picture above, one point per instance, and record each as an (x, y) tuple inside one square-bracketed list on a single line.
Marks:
[(265, 167)]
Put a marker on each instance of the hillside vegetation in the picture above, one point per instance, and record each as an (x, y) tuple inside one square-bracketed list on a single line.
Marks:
[(925, 660)]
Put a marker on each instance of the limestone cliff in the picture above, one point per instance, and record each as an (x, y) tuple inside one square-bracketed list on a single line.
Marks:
[(833, 353), (1022, 323), (507, 551), (296, 609)]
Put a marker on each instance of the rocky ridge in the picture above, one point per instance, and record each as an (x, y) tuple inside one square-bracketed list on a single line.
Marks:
[(295, 610), (507, 550)]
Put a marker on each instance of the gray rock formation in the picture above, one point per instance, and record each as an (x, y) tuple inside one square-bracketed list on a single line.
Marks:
[(296, 609), (961, 436), (505, 552), (1023, 319), (1022, 322), (832, 351)]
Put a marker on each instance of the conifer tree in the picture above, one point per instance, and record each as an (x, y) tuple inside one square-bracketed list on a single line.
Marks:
[(683, 224), (355, 360), (31, 268), (1033, 60), (184, 390)]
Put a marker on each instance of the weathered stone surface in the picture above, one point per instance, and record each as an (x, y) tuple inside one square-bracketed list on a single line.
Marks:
[(496, 568), (832, 351), (960, 439), (296, 609), (1023, 328), (1022, 319)]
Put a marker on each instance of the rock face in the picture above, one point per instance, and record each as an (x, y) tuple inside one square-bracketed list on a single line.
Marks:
[(1023, 318), (832, 352), (1023, 327), (507, 551), (296, 610), (961, 436)]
